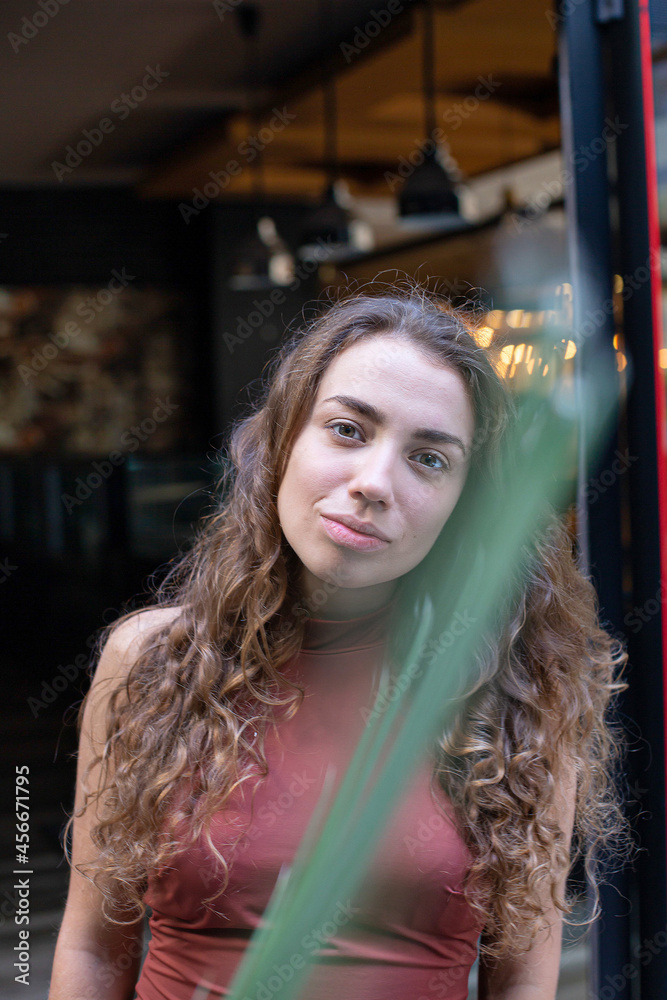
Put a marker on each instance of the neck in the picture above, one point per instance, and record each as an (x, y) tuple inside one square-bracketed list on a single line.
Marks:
[(344, 602)]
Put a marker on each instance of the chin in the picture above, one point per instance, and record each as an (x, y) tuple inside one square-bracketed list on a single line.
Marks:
[(341, 576)]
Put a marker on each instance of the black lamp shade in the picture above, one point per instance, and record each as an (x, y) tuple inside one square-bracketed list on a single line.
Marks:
[(429, 190), (326, 225)]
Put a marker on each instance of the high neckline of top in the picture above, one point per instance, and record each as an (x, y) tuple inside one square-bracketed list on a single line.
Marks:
[(343, 635)]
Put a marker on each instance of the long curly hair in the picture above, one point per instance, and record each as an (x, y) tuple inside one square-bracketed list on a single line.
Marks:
[(193, 710)]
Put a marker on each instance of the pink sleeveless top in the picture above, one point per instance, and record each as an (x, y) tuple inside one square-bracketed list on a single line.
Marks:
[(407, 933)]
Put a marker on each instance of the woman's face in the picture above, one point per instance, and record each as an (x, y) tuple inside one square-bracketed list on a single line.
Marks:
[(386, 450)]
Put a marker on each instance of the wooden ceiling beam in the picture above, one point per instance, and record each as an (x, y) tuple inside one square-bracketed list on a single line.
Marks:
[(379, 100)]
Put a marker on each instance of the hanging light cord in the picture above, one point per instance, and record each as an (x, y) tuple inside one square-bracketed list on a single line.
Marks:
[(329, 98), (428, 67), (248, 18), (330, 126)]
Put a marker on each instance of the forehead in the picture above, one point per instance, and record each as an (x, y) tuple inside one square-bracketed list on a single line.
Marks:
[(394, 369)]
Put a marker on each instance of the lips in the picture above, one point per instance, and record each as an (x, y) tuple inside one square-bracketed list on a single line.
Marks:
[(350, 538), (363, 527)]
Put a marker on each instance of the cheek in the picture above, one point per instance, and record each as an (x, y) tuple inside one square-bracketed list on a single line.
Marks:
[(306, 477), (428, 518), (314, 471)]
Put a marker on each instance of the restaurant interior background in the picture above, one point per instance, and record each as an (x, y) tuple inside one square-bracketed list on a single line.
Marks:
[(180, 180)]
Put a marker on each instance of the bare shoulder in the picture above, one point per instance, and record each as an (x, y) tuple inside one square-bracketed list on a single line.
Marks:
[(126, 639), (118, 656)]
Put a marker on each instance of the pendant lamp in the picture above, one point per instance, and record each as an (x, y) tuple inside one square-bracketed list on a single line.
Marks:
[(328, 225), (263, 259), (429, 194), (330, 229)]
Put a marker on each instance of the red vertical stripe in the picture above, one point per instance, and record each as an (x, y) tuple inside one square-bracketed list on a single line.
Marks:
[(656, 304)]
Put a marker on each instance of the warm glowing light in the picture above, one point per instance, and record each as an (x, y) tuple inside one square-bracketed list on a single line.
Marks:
[(529, 353), (507, 353), (570, 350), (546, 369), (618, 284), (495, 318), (514, 318), (512, 370), (518, 353), (615, 341), (527, 319), (484, 335), (662, 357), (530, 365)]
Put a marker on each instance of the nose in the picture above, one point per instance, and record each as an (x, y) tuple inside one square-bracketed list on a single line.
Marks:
[(373, 477)]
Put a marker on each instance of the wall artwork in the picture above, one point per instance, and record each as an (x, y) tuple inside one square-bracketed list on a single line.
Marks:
[(88, 371)]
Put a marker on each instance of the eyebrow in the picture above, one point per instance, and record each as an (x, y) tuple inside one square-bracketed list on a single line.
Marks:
[(423, 433)]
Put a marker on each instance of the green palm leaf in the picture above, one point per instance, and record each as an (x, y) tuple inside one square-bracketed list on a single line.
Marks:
[(337, 848)]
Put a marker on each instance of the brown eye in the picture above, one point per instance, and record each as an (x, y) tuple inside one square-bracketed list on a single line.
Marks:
[(347, 427), (441, 467)]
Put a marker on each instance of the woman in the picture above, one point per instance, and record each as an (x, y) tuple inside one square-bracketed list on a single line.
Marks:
[(214, 715)]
